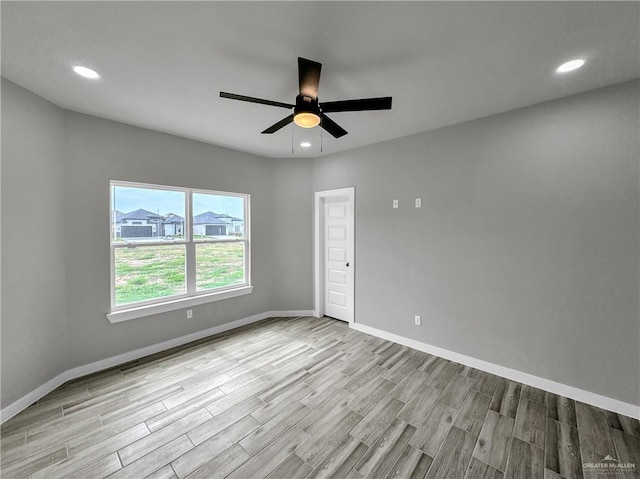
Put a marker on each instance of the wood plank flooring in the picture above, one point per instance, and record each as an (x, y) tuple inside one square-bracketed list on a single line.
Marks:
[(309, 398)]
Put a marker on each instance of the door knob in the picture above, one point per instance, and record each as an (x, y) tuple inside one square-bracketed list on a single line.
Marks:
[(347, 265)]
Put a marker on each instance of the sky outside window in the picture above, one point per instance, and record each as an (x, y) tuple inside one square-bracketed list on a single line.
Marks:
[(159, 202)]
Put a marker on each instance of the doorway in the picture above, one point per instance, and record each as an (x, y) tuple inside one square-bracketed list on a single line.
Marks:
[(335, 254)]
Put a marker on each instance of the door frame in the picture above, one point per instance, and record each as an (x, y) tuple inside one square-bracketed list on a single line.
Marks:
[(349, 194)]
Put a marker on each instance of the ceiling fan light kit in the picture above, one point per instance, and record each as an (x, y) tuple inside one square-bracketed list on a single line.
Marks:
[(308, 112), (306, 120)]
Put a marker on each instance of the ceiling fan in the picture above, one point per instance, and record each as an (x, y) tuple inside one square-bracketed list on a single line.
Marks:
[(308, 112)]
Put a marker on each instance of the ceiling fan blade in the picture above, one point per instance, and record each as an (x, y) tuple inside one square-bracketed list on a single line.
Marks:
[(309, 77), (281, 124), (331, 126), (250, 99), (383, 103)]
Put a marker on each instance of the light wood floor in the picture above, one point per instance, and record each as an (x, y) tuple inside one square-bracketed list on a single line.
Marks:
[(309, 398)]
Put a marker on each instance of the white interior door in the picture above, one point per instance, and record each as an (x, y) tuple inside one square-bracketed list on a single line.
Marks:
[(338, 268)]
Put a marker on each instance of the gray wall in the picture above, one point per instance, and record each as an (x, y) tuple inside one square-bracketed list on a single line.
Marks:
[(292, 253), (34, 318), (525, 252)]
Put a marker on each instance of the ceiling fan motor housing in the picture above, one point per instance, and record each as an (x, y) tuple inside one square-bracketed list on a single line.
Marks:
[(306, 104)]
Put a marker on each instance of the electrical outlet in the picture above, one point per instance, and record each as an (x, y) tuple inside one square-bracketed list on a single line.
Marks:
[(418, 320), (395, 204), (418, 202), (189, 313)]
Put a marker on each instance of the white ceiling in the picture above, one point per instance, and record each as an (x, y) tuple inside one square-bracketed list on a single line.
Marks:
[(163, 64)]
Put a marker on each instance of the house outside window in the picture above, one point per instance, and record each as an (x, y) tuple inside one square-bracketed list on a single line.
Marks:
[(169, 243)]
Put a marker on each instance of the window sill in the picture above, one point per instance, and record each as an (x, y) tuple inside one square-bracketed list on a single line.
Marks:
[(151, 309)]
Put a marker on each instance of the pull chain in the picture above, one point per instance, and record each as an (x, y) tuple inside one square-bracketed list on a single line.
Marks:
[(292, 127)]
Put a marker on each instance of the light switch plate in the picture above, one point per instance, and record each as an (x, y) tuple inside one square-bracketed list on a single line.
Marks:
[(395, 204), (418, 202)]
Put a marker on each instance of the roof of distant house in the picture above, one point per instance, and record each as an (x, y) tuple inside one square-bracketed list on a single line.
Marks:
[(139, 214), (171, 218), (208, 218), (227, 217)]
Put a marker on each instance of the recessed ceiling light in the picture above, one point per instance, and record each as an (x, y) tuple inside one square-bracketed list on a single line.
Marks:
[(570, 65), (305, 144), (86, 72)]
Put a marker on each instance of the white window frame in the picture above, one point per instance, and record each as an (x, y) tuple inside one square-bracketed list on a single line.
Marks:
[(191, 297)]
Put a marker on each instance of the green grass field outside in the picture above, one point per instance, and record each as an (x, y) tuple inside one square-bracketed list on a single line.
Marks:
[(149, 272)]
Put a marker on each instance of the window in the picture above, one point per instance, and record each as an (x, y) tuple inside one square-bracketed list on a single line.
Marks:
[(170, 243)]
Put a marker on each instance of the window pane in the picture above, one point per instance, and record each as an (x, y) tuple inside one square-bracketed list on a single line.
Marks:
[(145, 214), (148, 272), (217, 216), (219, 265)]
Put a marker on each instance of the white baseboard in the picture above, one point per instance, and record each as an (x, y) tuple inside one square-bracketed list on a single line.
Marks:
[(28, 399), (587, 397), (79, 371), (289, 314)]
